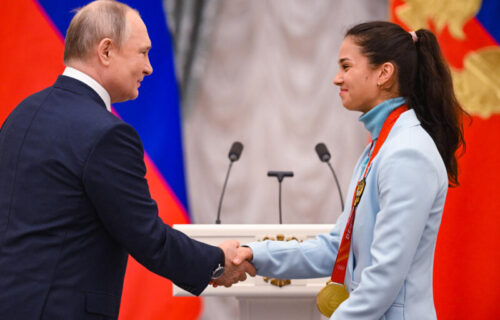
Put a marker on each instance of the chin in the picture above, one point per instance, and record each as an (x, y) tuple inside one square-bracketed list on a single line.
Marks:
[(347, 105), (132, 96)]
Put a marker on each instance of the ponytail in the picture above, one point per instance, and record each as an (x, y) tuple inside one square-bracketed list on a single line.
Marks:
[(435, 103), (424, 80)]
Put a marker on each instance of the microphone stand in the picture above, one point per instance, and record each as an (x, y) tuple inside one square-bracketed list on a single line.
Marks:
[(325, 156), (338, 185), (280, 175), (279, 201), (223, 191), (234, 155)]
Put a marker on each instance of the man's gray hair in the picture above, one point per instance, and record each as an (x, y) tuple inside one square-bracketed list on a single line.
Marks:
[(97, 20)]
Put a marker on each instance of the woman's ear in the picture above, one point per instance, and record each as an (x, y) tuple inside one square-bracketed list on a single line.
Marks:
[(386, 75)]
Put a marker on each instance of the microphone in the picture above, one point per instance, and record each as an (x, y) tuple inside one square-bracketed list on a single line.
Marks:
[(235, 151), (234, 155), (325, 156), (322, 152), (280, 175)]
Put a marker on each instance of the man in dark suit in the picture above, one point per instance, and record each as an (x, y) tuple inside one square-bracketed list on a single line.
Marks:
[(73, 198)]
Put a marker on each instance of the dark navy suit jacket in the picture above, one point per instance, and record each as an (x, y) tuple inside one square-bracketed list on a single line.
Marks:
[(73, 204)]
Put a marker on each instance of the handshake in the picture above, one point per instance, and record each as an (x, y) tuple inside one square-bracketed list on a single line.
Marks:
[(237, 264)]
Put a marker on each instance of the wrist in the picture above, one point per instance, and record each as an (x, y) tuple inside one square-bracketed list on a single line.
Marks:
[(219, 268), (249, 252)]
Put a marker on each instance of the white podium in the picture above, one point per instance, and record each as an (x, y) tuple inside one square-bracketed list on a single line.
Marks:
[(259, 299)]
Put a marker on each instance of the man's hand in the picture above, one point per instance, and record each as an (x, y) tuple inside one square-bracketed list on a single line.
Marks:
[(234, 272)]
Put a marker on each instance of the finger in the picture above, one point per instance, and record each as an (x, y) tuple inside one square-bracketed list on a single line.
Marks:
[(250, 269), (243, 276), (237, 260)]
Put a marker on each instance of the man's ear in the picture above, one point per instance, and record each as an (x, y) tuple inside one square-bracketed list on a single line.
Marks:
[(104, 49), (386, 74)]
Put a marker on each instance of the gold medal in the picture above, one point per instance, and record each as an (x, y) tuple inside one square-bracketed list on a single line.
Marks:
[(359, 192), (330, 298)]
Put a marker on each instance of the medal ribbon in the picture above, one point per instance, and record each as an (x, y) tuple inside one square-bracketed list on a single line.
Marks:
[(339, 269)]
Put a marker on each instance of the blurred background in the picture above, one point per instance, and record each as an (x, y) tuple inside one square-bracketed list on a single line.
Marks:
[(261, 72)]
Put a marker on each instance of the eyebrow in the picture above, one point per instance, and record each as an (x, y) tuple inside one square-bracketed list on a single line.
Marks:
[(342, 60)]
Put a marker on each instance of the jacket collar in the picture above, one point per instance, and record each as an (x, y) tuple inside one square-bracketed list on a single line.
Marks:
[(406, 119), (91, 82), (78, 87)]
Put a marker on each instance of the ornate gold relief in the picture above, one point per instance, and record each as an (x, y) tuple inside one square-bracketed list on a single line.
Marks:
[(279, 282), (477, 86), (455, 14)]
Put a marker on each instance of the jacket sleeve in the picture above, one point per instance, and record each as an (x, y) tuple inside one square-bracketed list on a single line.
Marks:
[(408, 185), (114, 180), (312, 258)]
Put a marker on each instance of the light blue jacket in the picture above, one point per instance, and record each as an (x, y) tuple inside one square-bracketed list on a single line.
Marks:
[(389, 274)]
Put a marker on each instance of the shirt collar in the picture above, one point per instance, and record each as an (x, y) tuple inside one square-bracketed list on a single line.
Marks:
[(375, 118), (83, 77)]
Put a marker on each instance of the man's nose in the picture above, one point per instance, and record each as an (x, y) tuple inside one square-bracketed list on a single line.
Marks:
[(148, 69)]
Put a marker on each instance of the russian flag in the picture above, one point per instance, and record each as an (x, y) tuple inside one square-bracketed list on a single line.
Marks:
[(467, 261), (32, 36)]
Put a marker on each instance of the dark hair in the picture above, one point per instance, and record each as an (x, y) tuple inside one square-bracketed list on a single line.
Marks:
[(424, 80)]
